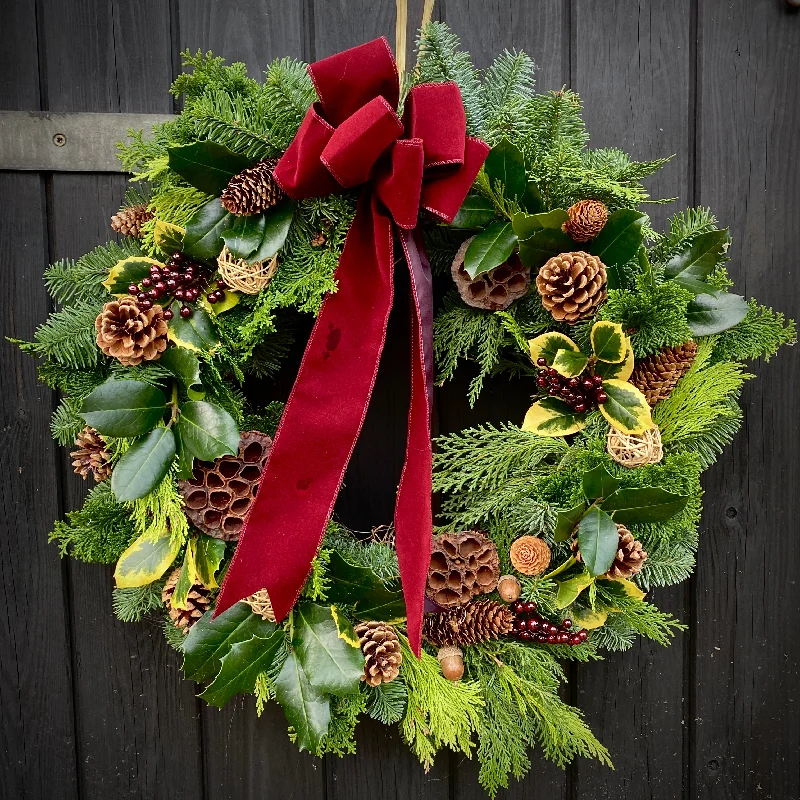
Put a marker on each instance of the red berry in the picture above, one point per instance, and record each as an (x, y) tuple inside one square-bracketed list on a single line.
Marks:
[(141, 297), (567, 623), (153, 294), (147, 283), (533, 624), (154, 269), (133, 289), (574, 639), (212, 298), (587, 383), (563, 638), (573, 383), (522, 624), (552, 639), (145, 304), (171, 284), (525, 636), (186, 312), (220, 294), (222, 285), (579, 407), (552, 391), (517, 606), (583, 635), (168, 313), (601, 397), (553, 373), (180, 294), (541, 361), (541, 382), (530, 607), (161, 286), (598, 380)]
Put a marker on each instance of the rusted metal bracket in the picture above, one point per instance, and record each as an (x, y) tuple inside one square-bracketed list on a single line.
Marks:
[(67, 142)]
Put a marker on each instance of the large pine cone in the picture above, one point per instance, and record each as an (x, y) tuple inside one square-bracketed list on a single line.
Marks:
[(253, 190), (496, 289), (128, 221), (382, 654), (629, 559), (572, 286), (586, 219), (91, 456), (463, 565), (219, 494), (131, 334), (470, 624), (198, 601), (657, 375)]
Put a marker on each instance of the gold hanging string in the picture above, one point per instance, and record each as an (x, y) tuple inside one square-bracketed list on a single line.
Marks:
[(400, 30)]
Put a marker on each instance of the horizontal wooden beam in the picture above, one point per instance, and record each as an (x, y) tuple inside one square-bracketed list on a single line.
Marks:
[(67, 142)]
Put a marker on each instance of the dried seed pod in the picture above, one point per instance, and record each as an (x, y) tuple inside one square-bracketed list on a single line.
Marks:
[(463, 565)]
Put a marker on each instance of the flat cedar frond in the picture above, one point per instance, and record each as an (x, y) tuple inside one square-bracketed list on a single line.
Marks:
[(160, 510), (758, 335)]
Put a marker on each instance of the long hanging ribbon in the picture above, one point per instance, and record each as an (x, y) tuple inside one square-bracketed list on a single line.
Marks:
[(353, 137)]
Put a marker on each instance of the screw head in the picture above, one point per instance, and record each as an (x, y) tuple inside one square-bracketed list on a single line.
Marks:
[(59, 140)]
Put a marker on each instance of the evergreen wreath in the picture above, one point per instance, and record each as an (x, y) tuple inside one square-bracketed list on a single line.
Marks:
[(551, 532)]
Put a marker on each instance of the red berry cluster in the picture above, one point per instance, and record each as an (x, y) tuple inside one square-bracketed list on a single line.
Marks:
[(180, 279), (580, 394), (530, 627)]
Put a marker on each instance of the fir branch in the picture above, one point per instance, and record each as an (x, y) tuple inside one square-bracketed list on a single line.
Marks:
[(386, 702), (507, 87), (684, 228), (758, 335), (667, 564), (209, 72), (644, 618), (379, 557), (441, 245), (287, 93), (133, 604), (616, 635), (617, 165), (266, 419), (66, 424), (175, 636)]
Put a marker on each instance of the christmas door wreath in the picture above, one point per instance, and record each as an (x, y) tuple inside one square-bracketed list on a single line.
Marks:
[(262, 200)]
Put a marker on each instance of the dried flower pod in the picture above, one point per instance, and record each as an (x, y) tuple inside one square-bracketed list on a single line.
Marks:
[(463, 565), (530, 555)]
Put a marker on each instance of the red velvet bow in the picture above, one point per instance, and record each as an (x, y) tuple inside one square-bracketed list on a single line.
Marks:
[(353, 137)]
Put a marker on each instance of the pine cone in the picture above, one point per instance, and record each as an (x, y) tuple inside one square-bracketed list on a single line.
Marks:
[(128, 221), (530, 555), (253, 190), (381, 649), (496, 289), (129, 333), (91, 456), (463, 565), (470, 624), (586, 219), (630, 556), (218, 495), (572, 286), (657, 375), (198, 601)]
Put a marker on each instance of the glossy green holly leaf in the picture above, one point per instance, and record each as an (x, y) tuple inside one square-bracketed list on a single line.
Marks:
[(694, 263), (146, 560), (144, 465), (184, 365), (209, 553), (648, 504), (621, 371), (552, 417), (370, 596), (598, 482), (203, 237), (489, 249), (548, 344), (505, 164), (240, 667), (124, 408), (185, 460), (186, 579), (207, 431), (194, 333), (609, 342), (569, 363), (307, 709), (531, 201), (328, 649), (244, 236), (206, 165), (626, 407), (618, 242), (566, 522), (526, 225), (569, 590), (476, 212), (715, 311), (598, 540), (127, 271), (277, 222), (168, 238), (210, 639), (536, 250)]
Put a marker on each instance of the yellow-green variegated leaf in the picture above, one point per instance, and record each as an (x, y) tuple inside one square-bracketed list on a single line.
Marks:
[(622, 371), (168, 238), (146, 560), (569, 363), (187, 578), (626, 408), (220, 307), (569, 590), (608, 341), (548, 344), (551, 417), (586, 618), (631, 589), (127, 271)]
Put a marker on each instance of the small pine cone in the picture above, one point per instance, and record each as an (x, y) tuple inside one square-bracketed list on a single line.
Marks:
[(318, 239), (657, 375), (629, 559), (572, 286), (463, 565), (198, 601), (586, 219), (128, 221), (494, 290), (470, 624), (131, 334), (253, 190), (91, 455), (382, 654), (530, 555)]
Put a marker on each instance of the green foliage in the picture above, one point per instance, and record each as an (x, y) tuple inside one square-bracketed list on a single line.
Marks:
[(387, 701), (66, 424), (667, 563), (615, 636), (266, 420), (208, 71), (684, 228), (340, 739), (161, 510), (507, 87), (642, 617), (376, 556), (758, 335), (133, 604), (175, 636), (287, 94)]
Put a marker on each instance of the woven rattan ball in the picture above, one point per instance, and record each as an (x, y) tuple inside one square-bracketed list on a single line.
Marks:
[(243, 277), (261, 604), (635, 449)]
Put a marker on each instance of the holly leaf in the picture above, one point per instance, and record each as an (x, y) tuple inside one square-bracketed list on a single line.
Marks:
[(124, 408), (586, 618), (240, 667), (715, 312), (194, 333), (531, 201), (186, 579), (210, 639), (476, 212), (185, 464), (548, 344), (609, 342), (489, 249), (552, 417), (526, 225), (696, 262), (506, 165), (569, 363), (626, 407), (168, 238), (536, 250), (277, 222), (203, 237), (621, 371), (209, 553), (127, 271), (566, 522), (598, 482), (207, 431), (144, 465), (146, 560), (184, 365), (370, 596), (206, 165), (598, 540), (618, 242), (569, 590), (648, 504), (245, 235)]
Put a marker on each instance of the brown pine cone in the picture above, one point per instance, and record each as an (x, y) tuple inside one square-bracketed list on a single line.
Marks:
[(463, 565), (586, 219), (469, 624), (530, 555), (131, 334), (572, 286), (253, 190), (496, 289), (657, 375), (630, 556), (128, 221), (198, 601), (91, 456), (382, 654)]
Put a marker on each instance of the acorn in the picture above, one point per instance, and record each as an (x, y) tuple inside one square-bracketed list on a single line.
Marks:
[(451, 660), (508, 588)]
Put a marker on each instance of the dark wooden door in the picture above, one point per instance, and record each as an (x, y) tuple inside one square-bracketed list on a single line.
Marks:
[(95, 709)]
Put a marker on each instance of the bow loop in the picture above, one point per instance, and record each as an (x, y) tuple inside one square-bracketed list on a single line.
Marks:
[(434, 113)]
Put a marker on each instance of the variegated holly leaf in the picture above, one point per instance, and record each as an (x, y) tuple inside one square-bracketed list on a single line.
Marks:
[(127, 271), (588, 619), (168, 238), (609, 342), (626, 407), (622, 370), (569, 363), (146, 560), (566, 522), (569, 590), (552, 417), (548, 344)]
